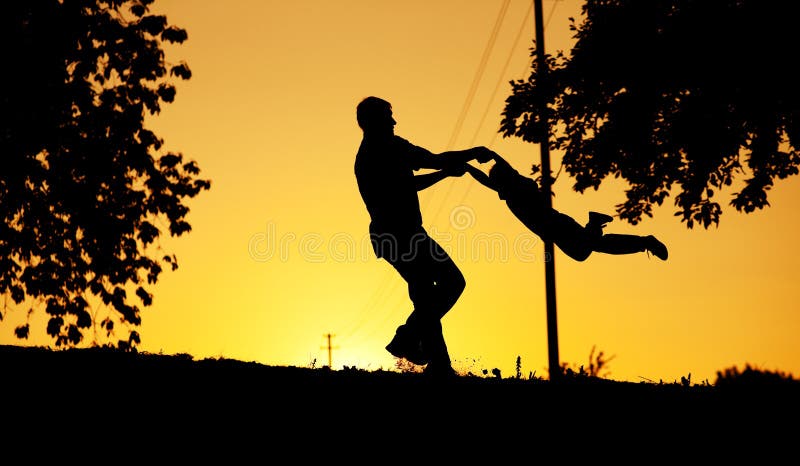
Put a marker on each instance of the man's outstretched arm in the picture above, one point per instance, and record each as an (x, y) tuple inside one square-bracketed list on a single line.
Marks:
[(429, 179), (456, 158)]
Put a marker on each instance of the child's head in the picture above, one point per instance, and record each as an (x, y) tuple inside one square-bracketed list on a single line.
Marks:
[(503, 175)]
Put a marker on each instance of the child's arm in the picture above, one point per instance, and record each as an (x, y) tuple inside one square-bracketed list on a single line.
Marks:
[(481, 177), (429, 179)]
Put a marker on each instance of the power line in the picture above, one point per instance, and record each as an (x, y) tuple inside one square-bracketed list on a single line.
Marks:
[(500, 80), (467, 103), (472, 90), (381, 293), (385, 291), (546, 24), (479, 73), (471, 181)]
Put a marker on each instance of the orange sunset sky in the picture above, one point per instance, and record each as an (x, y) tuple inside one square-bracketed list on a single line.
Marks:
[(277, 257)]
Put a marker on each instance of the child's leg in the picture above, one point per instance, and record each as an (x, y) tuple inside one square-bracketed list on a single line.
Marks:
[(571, 237), (612, 243)]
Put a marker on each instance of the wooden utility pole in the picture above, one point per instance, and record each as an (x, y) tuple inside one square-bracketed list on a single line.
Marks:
[(330, 350), (544, 147)]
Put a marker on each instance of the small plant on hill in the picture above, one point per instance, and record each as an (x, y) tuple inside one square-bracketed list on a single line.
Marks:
[(404, 366), (751, 376), (597, 368)]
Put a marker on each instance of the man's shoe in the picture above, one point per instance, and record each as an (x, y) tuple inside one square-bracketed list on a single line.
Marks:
[(656, 247), (408, 346), (440, 371), (598, 219)]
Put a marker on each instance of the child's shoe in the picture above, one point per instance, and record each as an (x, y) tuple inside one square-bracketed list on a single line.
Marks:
[(656, 247), (596, 219)]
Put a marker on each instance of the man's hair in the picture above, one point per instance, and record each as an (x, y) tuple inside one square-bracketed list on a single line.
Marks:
[(369, 109)]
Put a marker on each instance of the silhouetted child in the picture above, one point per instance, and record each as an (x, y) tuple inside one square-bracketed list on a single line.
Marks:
[(526, 202)]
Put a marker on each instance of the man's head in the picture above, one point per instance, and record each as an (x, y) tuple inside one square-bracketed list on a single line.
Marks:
[(374, 116)]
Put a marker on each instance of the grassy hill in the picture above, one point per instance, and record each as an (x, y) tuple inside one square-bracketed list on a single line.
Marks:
[(116, 394)]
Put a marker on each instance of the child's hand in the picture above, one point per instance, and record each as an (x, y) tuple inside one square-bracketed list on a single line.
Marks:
[(484, 154)]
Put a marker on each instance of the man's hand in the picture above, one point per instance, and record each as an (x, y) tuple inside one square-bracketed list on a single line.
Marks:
[(483, 154), (456, 170)]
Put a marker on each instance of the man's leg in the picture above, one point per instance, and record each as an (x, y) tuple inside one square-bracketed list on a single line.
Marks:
[(394, 248), (434, 285), (442, 285)]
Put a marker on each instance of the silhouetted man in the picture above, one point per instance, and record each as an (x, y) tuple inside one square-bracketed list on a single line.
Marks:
[(384, 169)]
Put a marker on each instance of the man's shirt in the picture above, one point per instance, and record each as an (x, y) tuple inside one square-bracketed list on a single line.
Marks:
[(384, 170)]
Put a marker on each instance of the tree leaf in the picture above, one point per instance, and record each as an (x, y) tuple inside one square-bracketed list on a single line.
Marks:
[(84, 182)]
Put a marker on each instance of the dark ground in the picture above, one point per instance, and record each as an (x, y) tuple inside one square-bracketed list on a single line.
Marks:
[(147, 400)]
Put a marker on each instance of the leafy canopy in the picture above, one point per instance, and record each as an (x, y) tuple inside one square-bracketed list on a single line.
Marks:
[(84, 192), (663, 93)]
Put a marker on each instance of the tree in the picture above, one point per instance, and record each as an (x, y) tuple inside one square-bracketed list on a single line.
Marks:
[(83, 187), (697, 94)]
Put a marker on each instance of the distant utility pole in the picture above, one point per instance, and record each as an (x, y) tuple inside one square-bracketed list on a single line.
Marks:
[(330, 349), (544, 147)]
